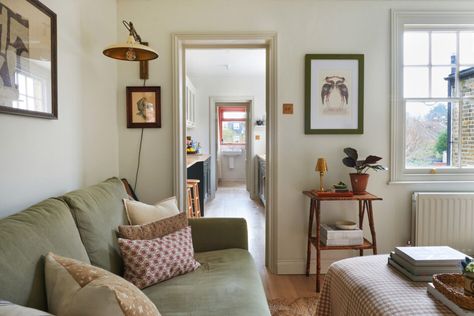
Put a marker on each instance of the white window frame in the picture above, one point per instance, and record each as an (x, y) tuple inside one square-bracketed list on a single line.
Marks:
[(398, 172)]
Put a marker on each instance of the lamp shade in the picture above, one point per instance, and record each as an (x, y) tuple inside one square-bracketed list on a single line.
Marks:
[(321, 165), (130, 51)]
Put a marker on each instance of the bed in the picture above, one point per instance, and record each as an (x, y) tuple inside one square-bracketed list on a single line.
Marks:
[(369, 286)]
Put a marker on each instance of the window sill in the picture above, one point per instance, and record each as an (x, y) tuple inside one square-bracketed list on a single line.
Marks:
[(395, 182)]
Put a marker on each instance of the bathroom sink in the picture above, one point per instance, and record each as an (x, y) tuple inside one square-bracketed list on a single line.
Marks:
[(232, 152)]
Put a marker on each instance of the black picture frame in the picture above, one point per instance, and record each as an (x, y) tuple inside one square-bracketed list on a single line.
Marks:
[(144, 107), (32, 88)]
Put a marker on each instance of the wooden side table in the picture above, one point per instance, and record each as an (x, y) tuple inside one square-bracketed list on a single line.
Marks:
[(365, 205)]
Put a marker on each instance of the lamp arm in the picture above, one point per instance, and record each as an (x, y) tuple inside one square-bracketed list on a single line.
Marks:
[(129, 26)]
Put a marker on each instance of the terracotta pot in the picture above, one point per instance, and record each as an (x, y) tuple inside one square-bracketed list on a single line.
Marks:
[(359, 183), (468, 283)]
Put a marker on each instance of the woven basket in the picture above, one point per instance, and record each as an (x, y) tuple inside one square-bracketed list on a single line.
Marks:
[(451, 285)]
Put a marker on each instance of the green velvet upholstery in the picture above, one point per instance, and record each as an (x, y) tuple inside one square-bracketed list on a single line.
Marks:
[(218, 233), (83, 224), (98, 210), (227, 283), (25, 238)]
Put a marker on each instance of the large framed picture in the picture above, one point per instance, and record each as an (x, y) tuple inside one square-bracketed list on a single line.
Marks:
[(143, 107), (28, 59), (334, 94)]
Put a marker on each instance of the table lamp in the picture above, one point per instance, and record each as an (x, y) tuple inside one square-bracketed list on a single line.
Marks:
[(322, 168)]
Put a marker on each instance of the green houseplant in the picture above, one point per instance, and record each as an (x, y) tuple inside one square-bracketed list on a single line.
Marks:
[(468, 274), (360, 178)]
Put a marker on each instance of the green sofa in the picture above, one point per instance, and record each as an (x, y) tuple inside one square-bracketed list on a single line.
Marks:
[(82, 225)]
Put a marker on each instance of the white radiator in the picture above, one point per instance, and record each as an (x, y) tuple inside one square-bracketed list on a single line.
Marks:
[(444, 219)]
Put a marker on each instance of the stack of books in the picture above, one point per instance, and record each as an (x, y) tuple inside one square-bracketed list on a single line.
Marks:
[(420, 263), (333, 236)]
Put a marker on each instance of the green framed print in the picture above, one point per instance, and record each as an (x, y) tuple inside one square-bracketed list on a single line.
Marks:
[(334, 94)]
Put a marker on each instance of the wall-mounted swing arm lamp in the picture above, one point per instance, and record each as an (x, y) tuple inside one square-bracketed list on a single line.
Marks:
[(133, 49)]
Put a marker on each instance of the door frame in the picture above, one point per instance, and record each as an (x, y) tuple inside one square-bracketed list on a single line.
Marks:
[(267, 40), (248, 103)]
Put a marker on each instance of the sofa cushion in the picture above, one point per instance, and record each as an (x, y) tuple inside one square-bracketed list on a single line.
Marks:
[(227, 283), (75, 289), (25, 238), (148, 262), (139, 213), (10, 309), (98, 211), (154, 230)]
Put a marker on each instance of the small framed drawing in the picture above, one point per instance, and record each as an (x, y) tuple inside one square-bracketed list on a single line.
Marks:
[(28, 62), (334, 94), (143, 107)]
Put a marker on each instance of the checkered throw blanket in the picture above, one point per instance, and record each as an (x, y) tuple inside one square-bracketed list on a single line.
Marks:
[(369, 286)]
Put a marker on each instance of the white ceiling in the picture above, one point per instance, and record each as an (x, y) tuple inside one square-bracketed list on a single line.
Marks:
[(225, 62)]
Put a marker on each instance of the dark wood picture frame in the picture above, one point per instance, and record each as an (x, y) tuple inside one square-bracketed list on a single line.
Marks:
[(143, 107), (315, 98), (51, 87)]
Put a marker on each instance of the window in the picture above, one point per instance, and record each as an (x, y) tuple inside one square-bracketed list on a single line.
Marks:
[(232, 125), (31, 92), (433, 89)]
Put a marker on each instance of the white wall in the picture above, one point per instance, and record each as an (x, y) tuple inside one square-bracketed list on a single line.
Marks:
[(304, 26), (41, 158), (224, 86)]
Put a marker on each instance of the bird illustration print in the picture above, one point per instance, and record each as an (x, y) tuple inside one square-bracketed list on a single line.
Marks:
[(326, 90), (343, 91)]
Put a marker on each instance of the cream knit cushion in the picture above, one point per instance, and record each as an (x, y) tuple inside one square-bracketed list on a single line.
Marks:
[(75, 288), (139, 213)]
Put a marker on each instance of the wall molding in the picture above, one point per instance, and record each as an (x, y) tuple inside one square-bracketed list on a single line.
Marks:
[(267, 40)]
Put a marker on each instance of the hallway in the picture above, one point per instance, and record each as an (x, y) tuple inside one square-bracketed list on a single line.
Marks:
[(232, 200)]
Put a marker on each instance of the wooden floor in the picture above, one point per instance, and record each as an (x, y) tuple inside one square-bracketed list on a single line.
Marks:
[(233, 200)]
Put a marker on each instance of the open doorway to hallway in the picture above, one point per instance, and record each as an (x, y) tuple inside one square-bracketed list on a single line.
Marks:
[(225, 127)]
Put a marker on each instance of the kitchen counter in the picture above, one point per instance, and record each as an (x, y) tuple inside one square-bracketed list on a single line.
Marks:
[(193, 158)]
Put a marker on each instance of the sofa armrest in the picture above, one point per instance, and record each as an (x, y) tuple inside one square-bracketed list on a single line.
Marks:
[(218, 233)]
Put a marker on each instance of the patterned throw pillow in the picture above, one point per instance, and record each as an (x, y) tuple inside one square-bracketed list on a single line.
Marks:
[(75, 288), (148, 262), (139, 213), (154, 230)]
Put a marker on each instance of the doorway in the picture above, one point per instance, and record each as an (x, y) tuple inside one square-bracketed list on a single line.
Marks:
[(266, 41)]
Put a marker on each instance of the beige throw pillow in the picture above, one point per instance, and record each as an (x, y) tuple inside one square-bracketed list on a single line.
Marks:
[(140, 213), (154, 230), (76, 288)]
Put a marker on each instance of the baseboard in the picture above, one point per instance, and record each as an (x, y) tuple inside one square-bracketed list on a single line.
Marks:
[(298, 266)]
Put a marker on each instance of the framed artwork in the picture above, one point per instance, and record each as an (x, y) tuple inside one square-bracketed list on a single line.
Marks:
[(143, 107), (334, 94), (28, 59)]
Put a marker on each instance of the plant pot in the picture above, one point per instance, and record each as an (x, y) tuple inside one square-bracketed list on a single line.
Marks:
[(468, 283), (359, 183)]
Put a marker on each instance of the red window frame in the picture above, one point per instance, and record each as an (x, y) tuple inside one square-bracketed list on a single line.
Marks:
[(222, 119)]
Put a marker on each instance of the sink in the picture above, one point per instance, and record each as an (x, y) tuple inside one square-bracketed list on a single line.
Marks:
[(232, 151)]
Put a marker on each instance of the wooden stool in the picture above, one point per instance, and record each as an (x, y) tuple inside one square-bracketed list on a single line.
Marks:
[(189, 188), (193, 184)]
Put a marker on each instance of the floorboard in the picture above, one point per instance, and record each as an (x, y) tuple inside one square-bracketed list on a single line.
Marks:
[(233, 200)]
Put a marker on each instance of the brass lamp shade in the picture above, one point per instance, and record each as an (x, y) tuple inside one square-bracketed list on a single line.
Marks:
[(322, 165), (130, 51), (322, 168)]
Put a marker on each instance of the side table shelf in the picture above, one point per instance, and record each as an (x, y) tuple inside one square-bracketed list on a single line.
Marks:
[(366, 245), (365, 206)]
